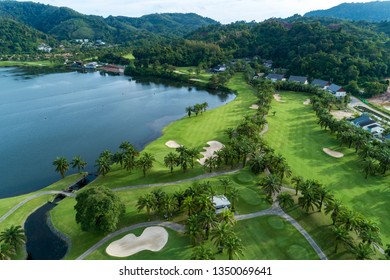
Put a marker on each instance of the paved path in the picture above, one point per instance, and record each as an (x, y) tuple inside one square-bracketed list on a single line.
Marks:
[(357, 102), (173, 226), (16, 207)]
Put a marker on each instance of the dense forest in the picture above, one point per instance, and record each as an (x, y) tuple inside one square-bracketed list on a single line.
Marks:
[(65, 24), (371, 11)]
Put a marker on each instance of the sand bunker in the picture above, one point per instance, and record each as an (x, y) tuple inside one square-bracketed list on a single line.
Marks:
[(172, 144), (254, 107), (333, 153), (307, 102), (278, 97), (341, 114), (152, 239), (213, 146)]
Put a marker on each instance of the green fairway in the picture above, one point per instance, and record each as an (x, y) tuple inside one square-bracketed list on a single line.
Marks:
[(26, 63), (129, 56), (191, 132), (272, 238), (294, 133)]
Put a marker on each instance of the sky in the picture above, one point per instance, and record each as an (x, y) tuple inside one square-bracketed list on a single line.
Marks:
[(224, 11)]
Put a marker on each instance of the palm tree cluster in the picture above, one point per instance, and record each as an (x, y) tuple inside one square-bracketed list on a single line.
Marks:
[(358, 234), (375, 155), (62, 164), (184, 158), (196, 109), (127, 157), (10, 241)]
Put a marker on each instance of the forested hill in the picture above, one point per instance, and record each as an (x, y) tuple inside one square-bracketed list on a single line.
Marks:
[(338, 51), (371, 11), (65, 23), (16, 37)]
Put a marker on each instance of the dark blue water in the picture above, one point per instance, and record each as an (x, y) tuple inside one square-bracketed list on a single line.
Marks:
[(68, 114)]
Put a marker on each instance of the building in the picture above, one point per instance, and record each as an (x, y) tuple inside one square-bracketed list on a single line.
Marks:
[(320, 83), (276, 77), (219, 69), (220, 202), (298, 79), (337, 90), (375, 129)]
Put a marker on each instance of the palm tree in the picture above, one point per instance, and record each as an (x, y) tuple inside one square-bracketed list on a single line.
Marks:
[(324, 195), (233, 246), (341, 235), (336, 207), (193, 153), (146, 201), (227, 216), (310, 196), (62, 165), (78, 162), (220, 233), (285, 200), (369, 165), (179, 196), (125, 146), (170, 205), (189, 111), (194, 229), (129, 161), (201, 252), (208, 220), (210, 163), (362, 251), (184, 158), (189, 205), (145, 162), (257, 163), (271, 184), (350, 219), (233, 197), (6, 251), (103, 165), (230, 132), (14, 236), (297, 181), (225, 182), (204, 105), (171, 160), (387, 251)]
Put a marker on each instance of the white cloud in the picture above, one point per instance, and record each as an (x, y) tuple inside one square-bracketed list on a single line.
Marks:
[(224, 11)]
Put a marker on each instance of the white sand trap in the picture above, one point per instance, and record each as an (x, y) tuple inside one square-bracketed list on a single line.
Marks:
[(307, 102), (339, 114), (333, 153), (278, 97), (152, 239), (254, 107), (213, 146), (172, 144)]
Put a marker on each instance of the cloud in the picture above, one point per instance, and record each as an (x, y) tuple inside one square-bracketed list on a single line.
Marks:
[(225, 11)]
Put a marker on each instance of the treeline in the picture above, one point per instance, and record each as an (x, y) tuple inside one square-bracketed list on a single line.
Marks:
[(339, 53)]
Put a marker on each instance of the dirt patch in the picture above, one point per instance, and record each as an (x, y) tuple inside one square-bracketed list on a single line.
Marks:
[(339, 114), (254, 107), (307, 102), (213, 146), (152, 239), (172, 144), (333, 153)]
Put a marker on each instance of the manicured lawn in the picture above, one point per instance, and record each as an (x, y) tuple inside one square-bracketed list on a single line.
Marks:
[(178, 247), (272, 238), (294, 133), (191, 132), (26, 63), (129, 56)]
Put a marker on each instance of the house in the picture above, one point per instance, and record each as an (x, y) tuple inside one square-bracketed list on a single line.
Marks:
[(375, 129), (45, 48), (360, 119), (337, 90), (365, 124), (268, 63), (220, 202), (276, 77), (298, 79), (91, 65), (320, 83), (219, 69)]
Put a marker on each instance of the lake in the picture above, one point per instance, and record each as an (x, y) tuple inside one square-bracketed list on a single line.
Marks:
[(67, 114)]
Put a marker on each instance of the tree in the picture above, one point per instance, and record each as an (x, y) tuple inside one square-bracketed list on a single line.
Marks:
[(98, 208), (145, 162), (129, 161), (285, 200), (103, 165), (189, 111), (233, 246), (208, 221), (271, 184), (225, 182), (79, 163), (369, 166), (233, 197), (171, 160), (62, 165), (362, 251), (297, 181), (336, 207), (227, 216), (220, 233), (387, 251), (210, 163), (257, 163), (341, 235), (324, 195), (146, 201), (194, 229), (201, 252), (6, 251), (13, 236)]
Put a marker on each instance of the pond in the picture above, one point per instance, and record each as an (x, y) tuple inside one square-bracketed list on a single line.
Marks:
[(43, 116)]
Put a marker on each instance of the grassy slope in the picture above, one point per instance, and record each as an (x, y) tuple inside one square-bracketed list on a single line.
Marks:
[(191, 132), (26, 63), (294, 133)]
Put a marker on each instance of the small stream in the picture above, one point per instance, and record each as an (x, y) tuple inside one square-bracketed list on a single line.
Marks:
[(42, 242)]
